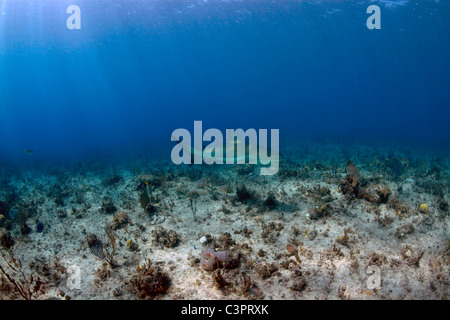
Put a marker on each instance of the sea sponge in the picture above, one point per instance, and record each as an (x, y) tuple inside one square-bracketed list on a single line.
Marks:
[(423, 208), (211, 260)]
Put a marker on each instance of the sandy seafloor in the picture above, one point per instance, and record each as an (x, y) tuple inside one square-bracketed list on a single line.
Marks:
[(309, 241)]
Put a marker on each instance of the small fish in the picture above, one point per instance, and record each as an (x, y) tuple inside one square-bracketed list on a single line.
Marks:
[(148, 188), (39, 227), (29, 152)]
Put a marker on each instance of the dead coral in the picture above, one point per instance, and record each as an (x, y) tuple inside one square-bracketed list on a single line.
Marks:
[(343, 240), (353, 188), (383, 194), (165, 238), (265, 270), (376, 194), (293, 251), (404, 230), (325, 210), (271, 232), (299, 285), (250, 289), (220, 282), (400, 207), (312, 235), (224, 242), (120, 220), (377, 259), (286, 264), (149, 281), (412, 260), (385, 220), (262, 253), (350, 185), (244, 231), (108, 206), (51, 272), (321, 193), (101, 275)]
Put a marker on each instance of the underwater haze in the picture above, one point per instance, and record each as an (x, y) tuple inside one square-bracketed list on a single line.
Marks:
[(137, 70)]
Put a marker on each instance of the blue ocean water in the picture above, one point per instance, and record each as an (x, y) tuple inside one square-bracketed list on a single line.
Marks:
[(137, 70)]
